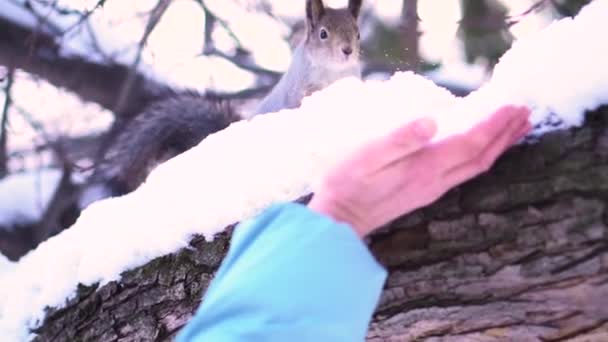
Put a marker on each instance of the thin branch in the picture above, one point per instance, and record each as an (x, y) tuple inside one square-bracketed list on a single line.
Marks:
[(10, 77), (208, 44), (54, 4), (514, 19), (34, 124), (94, 44), (221, 21), (155, 17), (239, 62), (241, 95), (42, 19), (84, 16), (57, 145)]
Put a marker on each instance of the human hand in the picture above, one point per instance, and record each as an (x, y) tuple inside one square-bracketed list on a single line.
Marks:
[(401, 172)]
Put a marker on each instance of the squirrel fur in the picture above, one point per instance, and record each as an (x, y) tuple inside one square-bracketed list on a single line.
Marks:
[(168, 127), (165, 129), (329, 51)]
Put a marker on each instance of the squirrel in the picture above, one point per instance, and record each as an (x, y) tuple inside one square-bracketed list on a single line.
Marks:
[(329, 51), (170, 126), (163, 130)]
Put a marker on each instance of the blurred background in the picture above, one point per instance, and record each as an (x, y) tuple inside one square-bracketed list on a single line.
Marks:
[(71, 71)]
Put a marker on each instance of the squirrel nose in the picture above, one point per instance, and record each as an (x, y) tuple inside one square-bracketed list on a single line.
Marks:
[(347, 50)]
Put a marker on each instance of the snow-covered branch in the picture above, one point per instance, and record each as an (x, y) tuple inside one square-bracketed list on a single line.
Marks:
[(235, 173), (4, 122)]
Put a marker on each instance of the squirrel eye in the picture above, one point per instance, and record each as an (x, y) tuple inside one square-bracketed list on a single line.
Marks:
[(323, 34)]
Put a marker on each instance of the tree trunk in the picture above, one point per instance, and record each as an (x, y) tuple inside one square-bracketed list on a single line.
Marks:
[(518, 254)]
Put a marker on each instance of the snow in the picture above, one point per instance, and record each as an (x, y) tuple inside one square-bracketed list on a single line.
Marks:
[(224, 180), (24, 196), (5, 266)]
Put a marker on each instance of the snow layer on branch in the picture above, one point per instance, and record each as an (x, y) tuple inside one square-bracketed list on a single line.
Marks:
[(24, 196), (235, 173), (5, 266)]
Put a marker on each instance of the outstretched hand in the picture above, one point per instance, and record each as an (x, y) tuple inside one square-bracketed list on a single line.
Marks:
[(401, 172)]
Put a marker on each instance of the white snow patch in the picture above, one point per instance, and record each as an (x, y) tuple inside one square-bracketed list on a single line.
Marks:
[(24, 196), (5, 265), (235, 173)]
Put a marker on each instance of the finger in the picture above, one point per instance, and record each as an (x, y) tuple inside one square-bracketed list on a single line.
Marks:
[(444, 157), (527, 127), (400, 143), (462, 148), (488, 157)]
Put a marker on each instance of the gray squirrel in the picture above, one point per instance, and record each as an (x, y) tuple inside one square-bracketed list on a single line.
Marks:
[(170, 126), (328, 52)]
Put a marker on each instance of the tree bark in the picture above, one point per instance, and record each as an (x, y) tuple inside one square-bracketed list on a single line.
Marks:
[(518, 254)]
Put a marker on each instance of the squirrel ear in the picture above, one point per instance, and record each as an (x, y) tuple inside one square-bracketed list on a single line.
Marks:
[(314, 11), (354, 6)]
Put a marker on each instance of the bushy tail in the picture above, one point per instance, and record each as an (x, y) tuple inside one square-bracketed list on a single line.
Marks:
[(165, 129)]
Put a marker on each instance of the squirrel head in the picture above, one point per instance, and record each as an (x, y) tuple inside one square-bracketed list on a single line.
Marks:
[(332, 35)]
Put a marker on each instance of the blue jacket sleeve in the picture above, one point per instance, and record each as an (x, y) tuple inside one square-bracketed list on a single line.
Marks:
[(290, 275)]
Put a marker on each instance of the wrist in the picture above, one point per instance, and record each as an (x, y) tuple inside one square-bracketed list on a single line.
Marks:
[(333, 209)]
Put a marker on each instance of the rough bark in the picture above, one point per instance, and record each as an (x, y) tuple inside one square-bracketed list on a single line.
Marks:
[(519, 254)]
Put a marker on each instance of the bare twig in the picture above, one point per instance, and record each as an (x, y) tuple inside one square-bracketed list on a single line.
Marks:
[(54, 4), (241, 95), (220, 21), (42, 19), (155, 17), (56, 145), (208, 44), (94, 43), (241, 63), (514, 19), (37, 126), (84, 16), (10, 77)]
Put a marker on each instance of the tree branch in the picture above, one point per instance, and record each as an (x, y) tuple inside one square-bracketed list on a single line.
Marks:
[(240, 62), (84, 17), (518, 254), (3, 124), (222, 22), (514, 19), (95, 82), (155, 16)]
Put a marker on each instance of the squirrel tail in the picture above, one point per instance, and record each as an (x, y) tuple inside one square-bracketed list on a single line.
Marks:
[(165, 129)]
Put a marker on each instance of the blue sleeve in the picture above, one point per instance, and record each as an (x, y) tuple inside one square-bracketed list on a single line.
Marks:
[(290, 275)]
